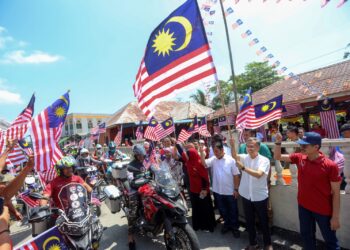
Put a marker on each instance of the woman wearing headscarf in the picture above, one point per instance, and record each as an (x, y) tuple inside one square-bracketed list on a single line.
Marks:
[(203, 217)]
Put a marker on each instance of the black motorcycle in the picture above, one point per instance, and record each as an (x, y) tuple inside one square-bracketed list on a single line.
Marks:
[(78, 224)]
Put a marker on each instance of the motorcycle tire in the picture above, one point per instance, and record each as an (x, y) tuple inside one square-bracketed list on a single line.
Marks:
[(185, 238)]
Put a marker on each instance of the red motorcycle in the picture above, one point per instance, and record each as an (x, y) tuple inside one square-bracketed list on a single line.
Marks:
[(163, 209)]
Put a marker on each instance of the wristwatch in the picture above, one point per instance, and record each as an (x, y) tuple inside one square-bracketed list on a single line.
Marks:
[(236, 189), (243, 168)]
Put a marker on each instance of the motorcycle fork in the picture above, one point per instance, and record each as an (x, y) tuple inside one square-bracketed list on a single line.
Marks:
[(168, 230)]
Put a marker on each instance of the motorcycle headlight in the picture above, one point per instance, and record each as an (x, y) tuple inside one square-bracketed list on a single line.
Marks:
[(76, 229)]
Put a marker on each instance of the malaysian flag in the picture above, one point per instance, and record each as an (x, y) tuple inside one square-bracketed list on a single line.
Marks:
[(324, 3), (282, 70), (261, 114), (184, 135), (139, 132), (169, 67), (216, 126), (341, 3), (276, 64), (203, 129), (290, 109), (16, 131), (152, 130), (246, 34), (244, 109), (46, 129), (329, 118), (16, 157), (102, 128), (50, 239), (168, 127), (28, 200), (49, 175), (228, 11), (26, 144), (236, 24), (268, 57), (96, 131), (206, 7), (253, 42), (222, 121), (193, 128), (261, 50), (118, 137)]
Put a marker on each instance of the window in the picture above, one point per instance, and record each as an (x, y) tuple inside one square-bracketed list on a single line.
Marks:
[(66, 127), (71, 125), (90, 125), (78, 124)]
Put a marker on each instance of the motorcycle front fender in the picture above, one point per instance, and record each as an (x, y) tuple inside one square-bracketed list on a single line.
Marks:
[(83, 242)]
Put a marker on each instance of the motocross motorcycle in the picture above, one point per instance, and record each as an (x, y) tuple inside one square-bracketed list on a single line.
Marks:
[(80, 228), (162, 210)]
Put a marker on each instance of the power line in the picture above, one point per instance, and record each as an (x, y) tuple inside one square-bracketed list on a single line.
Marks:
[(315, 58)]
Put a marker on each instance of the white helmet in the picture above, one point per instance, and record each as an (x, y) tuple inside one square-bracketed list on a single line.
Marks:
[(84, 151), (98, 147)]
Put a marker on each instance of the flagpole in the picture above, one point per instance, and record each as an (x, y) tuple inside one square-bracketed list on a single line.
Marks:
[(231, 63)]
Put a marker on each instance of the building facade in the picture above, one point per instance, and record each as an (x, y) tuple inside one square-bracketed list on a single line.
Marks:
[(4, 124), (82, 123)]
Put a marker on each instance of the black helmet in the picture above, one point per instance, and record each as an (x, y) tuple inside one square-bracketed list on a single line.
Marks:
[(139, 150)]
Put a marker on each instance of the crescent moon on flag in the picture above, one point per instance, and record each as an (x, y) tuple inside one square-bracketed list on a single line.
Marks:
[(188, 29), (249, 97), (64, 99), (50, 239), (326, 108), (273, 105)]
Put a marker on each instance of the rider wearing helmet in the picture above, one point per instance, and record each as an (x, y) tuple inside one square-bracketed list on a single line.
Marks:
[(139, 157), (84, 159), (64, 170), (98, 154)]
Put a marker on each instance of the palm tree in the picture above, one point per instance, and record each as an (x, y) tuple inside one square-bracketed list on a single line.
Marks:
[(199, 97)]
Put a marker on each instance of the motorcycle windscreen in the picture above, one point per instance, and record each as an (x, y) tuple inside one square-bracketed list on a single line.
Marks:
[(165, 180), (74, 200)]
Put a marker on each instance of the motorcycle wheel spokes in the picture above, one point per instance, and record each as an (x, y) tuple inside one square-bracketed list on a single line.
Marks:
[(182, 240)]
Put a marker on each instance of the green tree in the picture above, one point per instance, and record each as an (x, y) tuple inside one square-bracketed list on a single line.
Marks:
[(226, 91), (257, 75), (199, 97)]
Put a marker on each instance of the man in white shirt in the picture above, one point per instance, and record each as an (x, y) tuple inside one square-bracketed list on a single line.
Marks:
[(225, 186), (253, 189)]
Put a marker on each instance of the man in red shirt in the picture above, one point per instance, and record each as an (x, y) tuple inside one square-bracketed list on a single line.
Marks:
[(318, 190), (64, 168)]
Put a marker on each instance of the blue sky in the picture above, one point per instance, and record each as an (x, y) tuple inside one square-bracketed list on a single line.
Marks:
[(94, 48)]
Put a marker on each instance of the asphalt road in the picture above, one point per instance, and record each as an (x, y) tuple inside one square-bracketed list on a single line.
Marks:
[(115, 236)]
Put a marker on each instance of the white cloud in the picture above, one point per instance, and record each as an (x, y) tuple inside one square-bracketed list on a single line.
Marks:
[(37, 57), (8, 97)]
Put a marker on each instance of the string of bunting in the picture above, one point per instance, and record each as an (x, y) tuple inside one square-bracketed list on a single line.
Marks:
[(323, 2), (208, 9)]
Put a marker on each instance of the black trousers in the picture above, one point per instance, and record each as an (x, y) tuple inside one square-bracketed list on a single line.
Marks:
[(260, 208)]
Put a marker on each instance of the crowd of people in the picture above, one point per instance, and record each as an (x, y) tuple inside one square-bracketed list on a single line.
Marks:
[(213, 175)]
